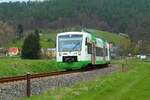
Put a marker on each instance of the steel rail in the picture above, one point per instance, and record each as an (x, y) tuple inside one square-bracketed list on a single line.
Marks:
[(39, 75)]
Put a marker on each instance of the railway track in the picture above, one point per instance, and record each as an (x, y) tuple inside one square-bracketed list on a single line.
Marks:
[(33, 76)]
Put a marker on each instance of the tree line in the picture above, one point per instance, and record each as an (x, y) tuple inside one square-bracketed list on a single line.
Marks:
[(121, 16)]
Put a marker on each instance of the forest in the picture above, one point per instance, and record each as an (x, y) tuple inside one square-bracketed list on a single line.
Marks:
[(131, 17)]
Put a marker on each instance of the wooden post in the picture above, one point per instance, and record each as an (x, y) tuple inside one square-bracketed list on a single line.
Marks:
[(126, 61), (110, 68), (28, 85), (122, 67)]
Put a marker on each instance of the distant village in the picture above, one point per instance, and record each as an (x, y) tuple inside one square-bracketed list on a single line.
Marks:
[(50, 53), (14, 52)]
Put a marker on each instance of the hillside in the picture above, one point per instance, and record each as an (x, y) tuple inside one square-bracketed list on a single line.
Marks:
[(6, 33), (131, 17), (121, 16), (47, 40), (110, 37)]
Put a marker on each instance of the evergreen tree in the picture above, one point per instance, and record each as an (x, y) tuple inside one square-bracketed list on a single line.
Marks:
[(36, 32), (20, 31), (31, 47)]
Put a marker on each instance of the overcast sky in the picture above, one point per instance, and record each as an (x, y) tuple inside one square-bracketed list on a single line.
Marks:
[(18, 0)]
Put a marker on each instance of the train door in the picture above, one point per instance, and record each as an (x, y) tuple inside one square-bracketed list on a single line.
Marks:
[(93, 56), (104, 53)]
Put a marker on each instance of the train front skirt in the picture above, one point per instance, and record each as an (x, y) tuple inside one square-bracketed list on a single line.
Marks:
[(77, 65)]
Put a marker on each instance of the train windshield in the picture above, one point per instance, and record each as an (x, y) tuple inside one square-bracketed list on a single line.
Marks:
[(69, 43)]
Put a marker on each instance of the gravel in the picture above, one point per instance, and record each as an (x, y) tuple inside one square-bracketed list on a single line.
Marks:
[(16, 90)]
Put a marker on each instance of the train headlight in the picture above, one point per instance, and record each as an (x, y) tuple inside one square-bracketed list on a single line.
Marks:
[(79, 53)]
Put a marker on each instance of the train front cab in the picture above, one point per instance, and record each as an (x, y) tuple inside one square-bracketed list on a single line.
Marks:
[(70, 48)]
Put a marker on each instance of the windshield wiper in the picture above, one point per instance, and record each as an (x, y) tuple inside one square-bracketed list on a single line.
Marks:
[(75, 45)]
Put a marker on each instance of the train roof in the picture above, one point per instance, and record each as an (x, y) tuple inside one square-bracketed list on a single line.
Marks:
[(73, 32)]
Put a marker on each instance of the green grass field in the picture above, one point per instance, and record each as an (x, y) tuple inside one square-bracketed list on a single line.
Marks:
[(47, 40), (110, 37), (131, 85), (17, 66)]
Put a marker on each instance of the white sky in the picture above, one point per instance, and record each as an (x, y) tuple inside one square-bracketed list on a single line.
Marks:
[(18, 0)]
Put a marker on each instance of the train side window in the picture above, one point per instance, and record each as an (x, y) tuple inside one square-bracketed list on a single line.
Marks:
[(99, 51), (106, 52), (89, 48)]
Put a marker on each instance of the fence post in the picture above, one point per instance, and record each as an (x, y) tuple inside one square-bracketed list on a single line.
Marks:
[(28, 85), (122, 67), (110, 68), (126, 61)]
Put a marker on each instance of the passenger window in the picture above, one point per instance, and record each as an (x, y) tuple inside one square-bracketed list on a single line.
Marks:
[(99, 51)]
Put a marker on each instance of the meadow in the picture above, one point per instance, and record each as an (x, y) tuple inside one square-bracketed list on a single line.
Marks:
[(130, 85)]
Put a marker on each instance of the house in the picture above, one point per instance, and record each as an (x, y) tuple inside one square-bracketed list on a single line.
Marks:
[(51, 52), (142, 56), (13, 51), (123, 35)]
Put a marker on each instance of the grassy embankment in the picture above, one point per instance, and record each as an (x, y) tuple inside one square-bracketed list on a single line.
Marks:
[(17, 66), (110, 37), (131, 85)]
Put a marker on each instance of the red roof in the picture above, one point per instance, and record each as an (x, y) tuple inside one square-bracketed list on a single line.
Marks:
[(13, 50)]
